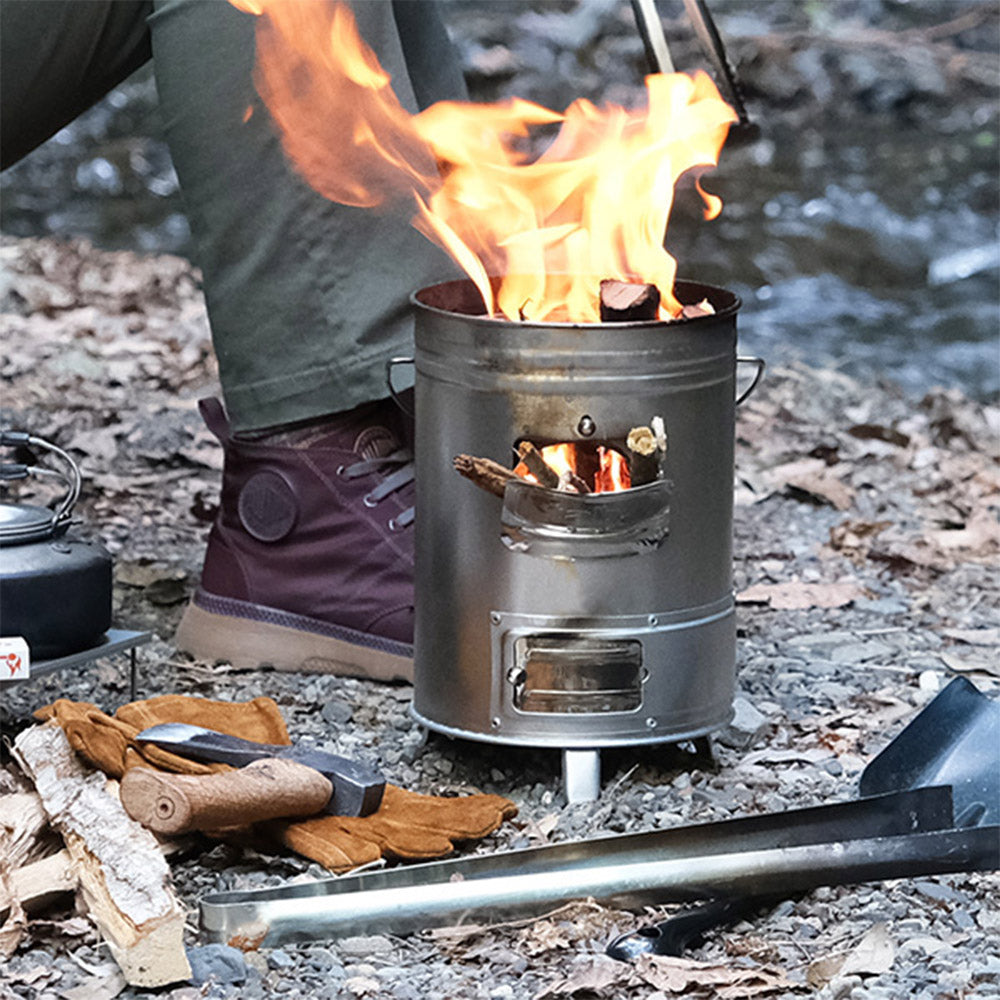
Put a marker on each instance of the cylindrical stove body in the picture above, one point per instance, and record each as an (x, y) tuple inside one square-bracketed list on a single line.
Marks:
[(561, 620)]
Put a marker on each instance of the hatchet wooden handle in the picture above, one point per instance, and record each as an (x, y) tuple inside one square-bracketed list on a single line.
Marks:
[(266, 789)]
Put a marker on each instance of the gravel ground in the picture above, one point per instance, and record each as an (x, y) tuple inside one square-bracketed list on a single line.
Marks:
[(881, 509), (865, 559)]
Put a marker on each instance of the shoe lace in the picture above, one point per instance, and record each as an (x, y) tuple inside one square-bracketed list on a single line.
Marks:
[(401, 464)]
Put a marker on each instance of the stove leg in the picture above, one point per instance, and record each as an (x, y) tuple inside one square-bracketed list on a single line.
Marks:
[(131, 675), (582, 775)]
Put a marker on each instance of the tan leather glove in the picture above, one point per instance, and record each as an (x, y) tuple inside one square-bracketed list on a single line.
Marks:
[(109, 743), (258, 720), (406, 825)]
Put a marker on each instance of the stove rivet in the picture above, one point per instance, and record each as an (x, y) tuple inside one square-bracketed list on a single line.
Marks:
[(586, 426), (651, 723), (62, 548), (495, 617), (495, 722), (653, 620)]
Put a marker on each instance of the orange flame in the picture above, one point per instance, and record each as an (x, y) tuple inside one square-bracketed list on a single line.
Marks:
[(610, 476), (594, 205)]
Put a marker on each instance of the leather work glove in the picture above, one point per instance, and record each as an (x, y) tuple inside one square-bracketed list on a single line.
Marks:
[(108, 743), (406, 825)]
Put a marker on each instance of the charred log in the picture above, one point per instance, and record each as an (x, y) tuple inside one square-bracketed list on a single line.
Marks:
[(625, 301)]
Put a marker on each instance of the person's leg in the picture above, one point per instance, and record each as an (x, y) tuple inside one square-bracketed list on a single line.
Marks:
[(307, 299), (310, 561), (57, 58)]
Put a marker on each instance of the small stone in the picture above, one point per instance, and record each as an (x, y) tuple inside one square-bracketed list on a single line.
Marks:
[(362, 986), (365, 946), (746, 725), (280, 959), (256, 961), (939, 892), (220, 962), (842, 986), (502, 993), (929, 681), (336, 712)]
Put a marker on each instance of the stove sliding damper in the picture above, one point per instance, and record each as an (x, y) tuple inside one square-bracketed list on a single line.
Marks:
[(569, 620)]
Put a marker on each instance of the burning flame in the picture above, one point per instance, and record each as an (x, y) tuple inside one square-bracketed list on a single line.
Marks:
[(610, 476), (594, 205)]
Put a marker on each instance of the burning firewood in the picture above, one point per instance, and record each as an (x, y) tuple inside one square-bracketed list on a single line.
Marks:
[(622, 301), (485, 473), (703, 308), (570, 482), (537, 466)]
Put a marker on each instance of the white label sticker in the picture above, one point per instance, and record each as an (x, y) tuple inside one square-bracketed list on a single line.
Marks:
[(15, 660)]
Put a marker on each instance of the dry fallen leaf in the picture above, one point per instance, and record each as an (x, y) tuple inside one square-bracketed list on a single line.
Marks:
[(681, 976), (592, 974), (796, 595), (977, 665), (873, 955), (974, 636)]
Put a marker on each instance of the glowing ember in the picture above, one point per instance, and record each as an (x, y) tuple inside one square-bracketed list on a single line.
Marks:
[(604, 470), (594, 205)]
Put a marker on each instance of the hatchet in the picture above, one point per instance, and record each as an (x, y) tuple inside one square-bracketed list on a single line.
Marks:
[(271, 781)]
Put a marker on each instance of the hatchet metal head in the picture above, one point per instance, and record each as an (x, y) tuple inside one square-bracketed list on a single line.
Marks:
[(357, 787)]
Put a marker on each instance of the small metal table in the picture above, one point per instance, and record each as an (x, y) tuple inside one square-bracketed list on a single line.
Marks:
[(115, 640)]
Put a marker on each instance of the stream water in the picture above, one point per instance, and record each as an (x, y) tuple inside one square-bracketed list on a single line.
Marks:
[(872, 249)]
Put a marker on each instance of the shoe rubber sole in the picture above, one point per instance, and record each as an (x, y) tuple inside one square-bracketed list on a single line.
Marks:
[(250, 636)]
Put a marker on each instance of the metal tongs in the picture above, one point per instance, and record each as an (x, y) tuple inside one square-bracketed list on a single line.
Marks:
[(887, 834), (953, 744), (658, 54)]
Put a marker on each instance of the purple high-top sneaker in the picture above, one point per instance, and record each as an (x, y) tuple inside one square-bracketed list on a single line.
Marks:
[(310, 559)]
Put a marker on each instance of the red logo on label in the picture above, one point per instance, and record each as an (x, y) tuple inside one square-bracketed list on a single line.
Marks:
[(13, 661)]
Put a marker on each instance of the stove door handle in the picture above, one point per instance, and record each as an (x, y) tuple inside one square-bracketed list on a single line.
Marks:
[(759, 365)]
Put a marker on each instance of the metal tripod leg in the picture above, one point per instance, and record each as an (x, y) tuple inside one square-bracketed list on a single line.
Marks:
[(582, 775)]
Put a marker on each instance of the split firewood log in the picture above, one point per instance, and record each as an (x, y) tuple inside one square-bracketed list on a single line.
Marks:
[(124, 881)]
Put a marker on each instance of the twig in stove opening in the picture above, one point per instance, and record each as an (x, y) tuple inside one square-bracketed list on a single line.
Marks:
[(485, 473), (537, 466), (625, 301)]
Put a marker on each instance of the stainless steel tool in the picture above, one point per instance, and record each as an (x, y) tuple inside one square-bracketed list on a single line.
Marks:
[(898, 835), (954, 741)]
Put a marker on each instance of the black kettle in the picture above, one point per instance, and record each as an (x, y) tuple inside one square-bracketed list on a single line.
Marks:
[(55, 588)]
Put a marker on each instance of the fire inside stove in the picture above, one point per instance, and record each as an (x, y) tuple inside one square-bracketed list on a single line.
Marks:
[(574, 468)]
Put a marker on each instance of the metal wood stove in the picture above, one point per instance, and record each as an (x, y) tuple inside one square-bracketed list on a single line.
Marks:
[(565, 620)]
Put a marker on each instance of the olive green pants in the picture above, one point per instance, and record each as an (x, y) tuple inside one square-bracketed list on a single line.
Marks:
[(307, 299)]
